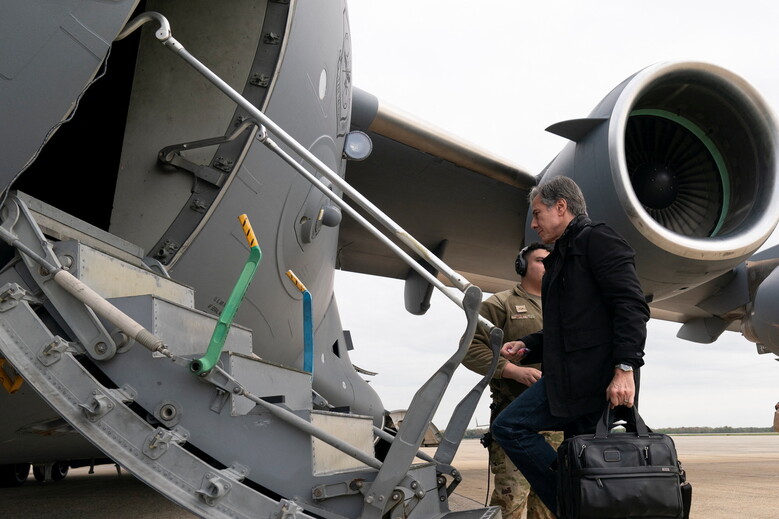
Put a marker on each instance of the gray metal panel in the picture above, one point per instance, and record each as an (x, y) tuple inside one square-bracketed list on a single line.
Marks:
[(63, 226), (171, 103), (110, 277), (355, 430), (50, 51), (184, 331), (267, 380)]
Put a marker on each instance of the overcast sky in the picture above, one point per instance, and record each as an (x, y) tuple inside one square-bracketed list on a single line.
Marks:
[(497, 73)]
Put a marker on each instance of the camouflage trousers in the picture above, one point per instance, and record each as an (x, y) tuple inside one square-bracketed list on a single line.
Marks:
[(512, 492)]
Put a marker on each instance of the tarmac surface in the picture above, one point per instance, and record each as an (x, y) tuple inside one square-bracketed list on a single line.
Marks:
[(732, 477)]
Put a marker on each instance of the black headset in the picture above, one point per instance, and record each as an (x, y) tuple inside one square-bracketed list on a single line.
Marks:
[(520, 264)]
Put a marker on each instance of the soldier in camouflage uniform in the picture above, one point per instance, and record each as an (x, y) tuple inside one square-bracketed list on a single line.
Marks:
[(518, 313)]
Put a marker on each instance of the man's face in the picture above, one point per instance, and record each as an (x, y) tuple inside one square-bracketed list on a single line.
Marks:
[(535, 265), (549, 222)]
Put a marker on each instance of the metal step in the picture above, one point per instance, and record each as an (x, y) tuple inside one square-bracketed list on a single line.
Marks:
[(157, 456), (242, 439), (184, 330), (144, 414), (113, 277), (162, 404)]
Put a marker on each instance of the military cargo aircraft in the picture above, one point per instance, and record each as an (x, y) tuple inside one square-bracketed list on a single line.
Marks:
[(182, 178)]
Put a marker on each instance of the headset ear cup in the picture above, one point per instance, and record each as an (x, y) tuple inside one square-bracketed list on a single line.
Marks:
[(520, 265)]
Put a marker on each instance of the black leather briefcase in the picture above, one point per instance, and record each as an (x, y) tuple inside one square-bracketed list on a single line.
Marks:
[(622, 474)]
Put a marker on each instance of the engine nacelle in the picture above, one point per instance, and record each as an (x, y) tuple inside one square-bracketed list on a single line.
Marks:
[(681, 160), (759, 324)]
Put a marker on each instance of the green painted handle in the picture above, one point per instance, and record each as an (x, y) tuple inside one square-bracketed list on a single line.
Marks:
[(205, 363)]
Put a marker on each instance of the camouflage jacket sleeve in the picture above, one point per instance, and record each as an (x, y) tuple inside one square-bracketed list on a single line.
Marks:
[(479, 356)]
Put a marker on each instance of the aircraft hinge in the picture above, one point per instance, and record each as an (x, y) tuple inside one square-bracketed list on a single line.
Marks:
[(52, 351), (390, 503), (214, 174), (451, 471), (287, 510), (272, 38), (260, 80), (158, 442), (217, 485), (97, 406), (125, 394), (414, 487), (213, 488), (318, 401), (167, 251), (203, 172), (223, 164), (236, 471), (220, 399), (199, 205), (10, 295), (405, 497), (222, 380), (402, 500), (343, 488)]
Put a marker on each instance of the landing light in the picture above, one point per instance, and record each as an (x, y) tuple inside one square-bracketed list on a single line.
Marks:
[(357, 146)]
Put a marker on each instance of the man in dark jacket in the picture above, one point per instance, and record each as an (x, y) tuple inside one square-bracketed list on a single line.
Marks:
[(517, 312), (593, 338)]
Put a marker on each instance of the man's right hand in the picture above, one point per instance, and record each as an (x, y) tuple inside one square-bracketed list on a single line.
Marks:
[(514, 351), (523, 375)]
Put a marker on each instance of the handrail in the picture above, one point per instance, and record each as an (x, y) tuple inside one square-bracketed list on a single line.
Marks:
[(406, 444), (223, 380), (458, 423), (412, 430), (163, 34)]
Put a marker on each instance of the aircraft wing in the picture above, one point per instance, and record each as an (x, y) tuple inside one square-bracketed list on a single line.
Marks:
[(697, 267), (746, 293), (464, 204), (691, 305)]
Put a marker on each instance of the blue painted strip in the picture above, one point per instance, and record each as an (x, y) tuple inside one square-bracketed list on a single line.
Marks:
[(308, 333)]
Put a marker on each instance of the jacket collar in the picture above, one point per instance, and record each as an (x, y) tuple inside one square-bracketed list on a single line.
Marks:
[(553, 262), (574, 226), (520, 291)]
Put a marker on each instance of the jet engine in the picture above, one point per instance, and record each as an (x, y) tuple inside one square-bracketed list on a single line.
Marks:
[(681, 160)]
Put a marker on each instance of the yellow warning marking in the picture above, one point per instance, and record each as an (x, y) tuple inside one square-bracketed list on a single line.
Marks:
[(295, 280), (10, 383), (247, 229)]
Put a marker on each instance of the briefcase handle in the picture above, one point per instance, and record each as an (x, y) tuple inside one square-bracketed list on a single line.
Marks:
[(607, 420)]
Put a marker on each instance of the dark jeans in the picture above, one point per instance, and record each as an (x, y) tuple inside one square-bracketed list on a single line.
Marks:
[(516, 430)]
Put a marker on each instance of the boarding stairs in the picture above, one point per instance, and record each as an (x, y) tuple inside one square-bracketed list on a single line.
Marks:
[(249, 438), (109, 341)]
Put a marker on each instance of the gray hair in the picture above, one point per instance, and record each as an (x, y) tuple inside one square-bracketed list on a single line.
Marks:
[(560, 188)]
